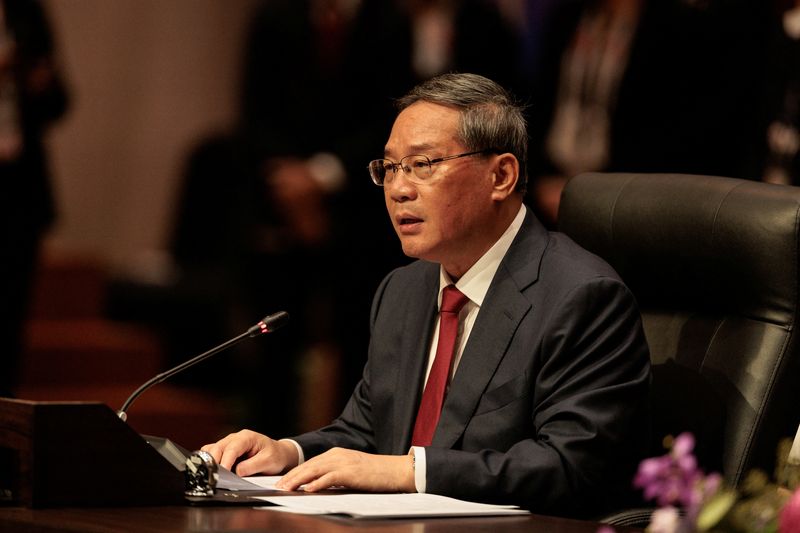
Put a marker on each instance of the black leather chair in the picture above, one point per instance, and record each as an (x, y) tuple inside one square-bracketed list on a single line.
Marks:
[(713, 263)]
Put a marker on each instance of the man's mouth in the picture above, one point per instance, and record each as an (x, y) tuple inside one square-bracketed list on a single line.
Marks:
[(408, 223), (404, 221)]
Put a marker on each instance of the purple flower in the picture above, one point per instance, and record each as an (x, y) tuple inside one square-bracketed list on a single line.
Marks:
[(683, 445), (674, 479)]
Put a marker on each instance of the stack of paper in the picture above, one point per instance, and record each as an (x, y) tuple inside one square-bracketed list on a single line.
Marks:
[(386, 505)]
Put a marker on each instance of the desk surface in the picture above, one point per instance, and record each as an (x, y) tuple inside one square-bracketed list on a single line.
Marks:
[(245, 519)]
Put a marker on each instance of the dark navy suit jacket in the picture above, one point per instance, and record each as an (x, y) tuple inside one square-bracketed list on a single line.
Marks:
[(548, 406)]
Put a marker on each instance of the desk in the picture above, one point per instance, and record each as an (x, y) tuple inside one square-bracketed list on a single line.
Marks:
[(246, 519)]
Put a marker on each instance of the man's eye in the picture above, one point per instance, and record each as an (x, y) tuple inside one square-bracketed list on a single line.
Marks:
[(420, 164)]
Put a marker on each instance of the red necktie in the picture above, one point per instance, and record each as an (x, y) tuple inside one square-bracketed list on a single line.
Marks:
[(432, 399)]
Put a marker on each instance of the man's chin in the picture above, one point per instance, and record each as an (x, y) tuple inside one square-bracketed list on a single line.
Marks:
[(412, 249)]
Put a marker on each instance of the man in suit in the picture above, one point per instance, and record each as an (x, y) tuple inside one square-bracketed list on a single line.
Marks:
[(543, 399)]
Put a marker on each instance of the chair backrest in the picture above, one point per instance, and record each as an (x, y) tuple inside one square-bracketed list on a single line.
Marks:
[(713, 263)]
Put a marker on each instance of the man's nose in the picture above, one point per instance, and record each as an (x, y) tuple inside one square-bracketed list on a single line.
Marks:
[(400, 188)]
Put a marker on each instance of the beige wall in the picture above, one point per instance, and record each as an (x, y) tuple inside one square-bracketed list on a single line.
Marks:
[(148, 78)]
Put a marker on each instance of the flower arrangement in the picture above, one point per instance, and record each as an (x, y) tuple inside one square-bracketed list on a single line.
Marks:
[(690, 500)]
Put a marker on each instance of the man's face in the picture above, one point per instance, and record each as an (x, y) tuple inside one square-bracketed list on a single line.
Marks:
[(448, 219)]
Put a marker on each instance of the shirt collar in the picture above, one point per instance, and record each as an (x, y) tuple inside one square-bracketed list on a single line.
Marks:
[(475, 281)]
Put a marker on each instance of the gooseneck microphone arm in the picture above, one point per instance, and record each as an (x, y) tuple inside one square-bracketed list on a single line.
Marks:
[(267, 325)]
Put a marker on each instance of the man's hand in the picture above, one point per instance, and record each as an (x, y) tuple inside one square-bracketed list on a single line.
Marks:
[(263, 455), (339, 467)]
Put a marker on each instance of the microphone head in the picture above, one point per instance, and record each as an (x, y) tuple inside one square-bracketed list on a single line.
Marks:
[(270, 323)]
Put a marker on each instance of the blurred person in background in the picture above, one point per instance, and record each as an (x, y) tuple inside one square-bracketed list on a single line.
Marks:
[(644, 86), (255, 229), (32, 97)]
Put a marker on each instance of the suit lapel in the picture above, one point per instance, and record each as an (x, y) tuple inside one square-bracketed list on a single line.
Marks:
[(414, 356), (498, 319)]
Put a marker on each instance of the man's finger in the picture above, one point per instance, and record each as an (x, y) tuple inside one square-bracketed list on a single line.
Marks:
[(258, 464), (324, 482), (231, 453), (296, 477)]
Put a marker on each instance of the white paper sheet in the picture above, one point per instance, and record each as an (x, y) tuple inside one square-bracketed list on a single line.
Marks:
[(264, 482), (387, 505)]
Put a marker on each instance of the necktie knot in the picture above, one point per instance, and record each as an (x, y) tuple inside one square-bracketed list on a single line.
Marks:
[(452, 300)]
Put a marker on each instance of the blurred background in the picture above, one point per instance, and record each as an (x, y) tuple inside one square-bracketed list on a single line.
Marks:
[(146, 80), (171, 172)]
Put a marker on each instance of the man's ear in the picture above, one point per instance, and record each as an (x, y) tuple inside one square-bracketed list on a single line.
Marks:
[(506, 174)]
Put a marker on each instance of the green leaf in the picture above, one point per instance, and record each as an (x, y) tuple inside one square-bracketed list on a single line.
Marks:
[(716, 509)]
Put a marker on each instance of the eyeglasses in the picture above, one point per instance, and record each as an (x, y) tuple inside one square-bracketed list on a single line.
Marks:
[(417, 168)]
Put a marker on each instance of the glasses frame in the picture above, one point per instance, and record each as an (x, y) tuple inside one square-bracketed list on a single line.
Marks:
[(399, 165)]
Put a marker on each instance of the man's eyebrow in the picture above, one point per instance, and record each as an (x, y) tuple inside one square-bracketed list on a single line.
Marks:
[(414, 149)]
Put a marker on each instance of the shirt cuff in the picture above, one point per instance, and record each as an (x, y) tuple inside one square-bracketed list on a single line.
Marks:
[(300, 457), (420, 471)]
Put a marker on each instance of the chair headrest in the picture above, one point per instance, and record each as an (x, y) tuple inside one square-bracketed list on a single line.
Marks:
[(719, 244)]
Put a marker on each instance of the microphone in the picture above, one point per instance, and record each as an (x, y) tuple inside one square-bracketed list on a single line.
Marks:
[(268, 324)]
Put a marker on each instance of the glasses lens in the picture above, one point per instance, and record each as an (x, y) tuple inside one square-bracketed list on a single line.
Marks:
[(378, 169), (417, 166)]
